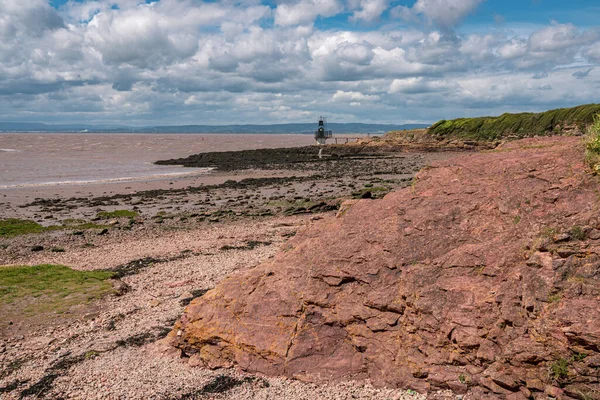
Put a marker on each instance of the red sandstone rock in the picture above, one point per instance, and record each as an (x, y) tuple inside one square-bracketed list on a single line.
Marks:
[(461, 281)]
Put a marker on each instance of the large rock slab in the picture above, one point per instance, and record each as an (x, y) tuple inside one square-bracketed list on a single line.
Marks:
[(483, 277)]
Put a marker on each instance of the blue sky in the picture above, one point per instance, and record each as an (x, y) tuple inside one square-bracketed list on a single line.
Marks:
[(246, 61)]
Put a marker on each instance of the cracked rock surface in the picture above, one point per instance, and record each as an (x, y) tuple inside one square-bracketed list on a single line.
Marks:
[(483, 278)]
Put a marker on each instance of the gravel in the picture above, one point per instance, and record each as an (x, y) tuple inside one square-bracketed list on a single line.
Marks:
[(116, 350)]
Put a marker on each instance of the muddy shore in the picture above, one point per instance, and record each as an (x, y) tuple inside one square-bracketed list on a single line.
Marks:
[(185, 237)]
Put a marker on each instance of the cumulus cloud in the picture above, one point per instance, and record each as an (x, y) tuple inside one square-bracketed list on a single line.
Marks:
[(512, 49), (305, 11), (32, 17), (446, 14), (350, 96), (417, 85), (370, 10), (188, 61)]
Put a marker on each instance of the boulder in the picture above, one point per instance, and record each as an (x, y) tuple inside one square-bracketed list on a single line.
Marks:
[(442, 285)]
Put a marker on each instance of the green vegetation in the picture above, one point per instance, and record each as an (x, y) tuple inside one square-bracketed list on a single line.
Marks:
[(553, 298), (117, 214), (520, 125), (50, 288), (579, 356), (14, 227), (592, 144), (578, 233), (560, 369)]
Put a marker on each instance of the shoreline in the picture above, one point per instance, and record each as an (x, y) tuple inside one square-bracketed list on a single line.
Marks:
[(145, 178), (185, 237)]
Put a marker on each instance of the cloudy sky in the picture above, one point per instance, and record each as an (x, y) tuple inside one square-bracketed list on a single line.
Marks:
[(177, 62)]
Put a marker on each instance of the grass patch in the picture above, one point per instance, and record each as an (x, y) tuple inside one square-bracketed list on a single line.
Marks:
[(578, 357), (578, 233), (520, 125), (560, 369), (117, 214), (549, 232), (14, 227), (592, 145), (50, 288), (556, 297)]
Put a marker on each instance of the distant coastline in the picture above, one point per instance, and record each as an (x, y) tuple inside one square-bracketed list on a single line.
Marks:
[(302, 128)]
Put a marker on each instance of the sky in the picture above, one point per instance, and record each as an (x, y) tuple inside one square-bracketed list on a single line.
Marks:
[(175, 62)]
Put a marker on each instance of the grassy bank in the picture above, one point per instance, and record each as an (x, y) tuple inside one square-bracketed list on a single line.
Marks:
[(592, 145), (49, 288), (553, 122)]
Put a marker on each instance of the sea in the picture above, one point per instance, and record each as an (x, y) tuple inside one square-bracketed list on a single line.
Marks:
[(47, 159)]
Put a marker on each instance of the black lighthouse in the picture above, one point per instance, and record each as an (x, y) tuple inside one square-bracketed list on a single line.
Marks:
[(322, 134)]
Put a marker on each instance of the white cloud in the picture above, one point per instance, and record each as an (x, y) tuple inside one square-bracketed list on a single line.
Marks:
[(416, 85), (340, 95), (444, 13), (305, 11), (370, 10), (512, 49), (593, 53), (187, 61)]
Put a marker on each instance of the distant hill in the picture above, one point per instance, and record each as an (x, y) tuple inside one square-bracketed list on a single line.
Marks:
[(305, 128)]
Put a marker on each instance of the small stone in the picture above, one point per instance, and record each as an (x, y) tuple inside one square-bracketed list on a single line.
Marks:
[(103, 232), (90, 316), (120, 288), (376, 324), (535, 384), (506, 381), (526, 392), (593, 361), (565, 252), (562, 237), (155, 303), (553, 391), (195, 361)]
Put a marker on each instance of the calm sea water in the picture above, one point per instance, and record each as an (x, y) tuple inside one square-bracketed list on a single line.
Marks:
[(51, 159)]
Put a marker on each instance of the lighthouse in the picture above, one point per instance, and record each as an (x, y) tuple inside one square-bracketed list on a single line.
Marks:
[(322, 134)]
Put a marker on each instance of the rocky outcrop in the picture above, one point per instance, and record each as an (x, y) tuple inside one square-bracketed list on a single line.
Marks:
[(423, 140), (483, 277)]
